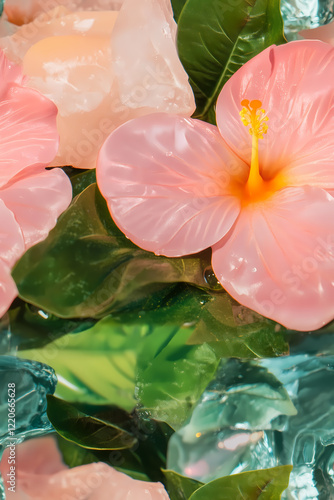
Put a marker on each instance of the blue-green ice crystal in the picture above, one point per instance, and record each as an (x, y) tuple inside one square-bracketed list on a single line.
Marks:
[(28, 383), (258, 414), (304, 14)]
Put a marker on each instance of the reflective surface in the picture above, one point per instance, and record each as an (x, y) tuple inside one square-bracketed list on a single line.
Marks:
[(264, 413), (304, 14), (33, 381)]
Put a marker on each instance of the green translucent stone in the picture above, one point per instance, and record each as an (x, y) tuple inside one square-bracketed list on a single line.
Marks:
[(262, 413), (27, 416), (33, 381)]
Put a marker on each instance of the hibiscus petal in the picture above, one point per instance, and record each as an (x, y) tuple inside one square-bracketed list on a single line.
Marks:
[(294, 84), (11, 248), (29, 134), (167, 181), (11, 240), (279, 258), (36, 201)]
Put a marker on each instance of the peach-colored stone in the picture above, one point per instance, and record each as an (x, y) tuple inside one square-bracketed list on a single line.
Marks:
[(22, 12), (40, 475), (100, 76)]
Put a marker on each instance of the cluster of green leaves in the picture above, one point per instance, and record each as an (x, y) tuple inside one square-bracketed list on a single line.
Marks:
[(266, 484), (161, 320), (88, 269)]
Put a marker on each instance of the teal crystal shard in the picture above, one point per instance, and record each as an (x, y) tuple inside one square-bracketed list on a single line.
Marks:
[(27, 417), (33, 381), (304, 14), (262, 413)]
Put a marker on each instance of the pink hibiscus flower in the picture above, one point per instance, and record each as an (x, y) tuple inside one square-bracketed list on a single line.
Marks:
[(31, 198), (40, 474), (256, 189)]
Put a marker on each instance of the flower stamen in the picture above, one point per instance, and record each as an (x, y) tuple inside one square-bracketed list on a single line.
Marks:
[(254, 116)]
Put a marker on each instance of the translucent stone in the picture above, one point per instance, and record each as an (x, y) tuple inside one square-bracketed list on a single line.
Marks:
[(304, 14), (263, 413), (101, 69), (22, 12), (33, 381)]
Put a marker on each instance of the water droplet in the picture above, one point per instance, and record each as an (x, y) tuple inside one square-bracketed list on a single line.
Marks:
[(211, 279), (43, 314)]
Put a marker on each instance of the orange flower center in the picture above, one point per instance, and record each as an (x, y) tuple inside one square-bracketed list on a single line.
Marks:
[(256, 189)]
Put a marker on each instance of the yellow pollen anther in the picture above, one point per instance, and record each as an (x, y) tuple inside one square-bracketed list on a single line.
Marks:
[(254, 116)]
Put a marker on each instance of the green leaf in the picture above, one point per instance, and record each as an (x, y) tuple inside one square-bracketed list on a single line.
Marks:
[(144, 461), (88, 268), (233, 330), (174, 376), (177, 8), (101, 365), (216, 37), (82, 180), (266, 484), (84, 430), (31, 327), (74, 455), (96, 367), (122, 460), (180, 487)]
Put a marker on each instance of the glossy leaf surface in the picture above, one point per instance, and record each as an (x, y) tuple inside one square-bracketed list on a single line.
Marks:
[(84, 430), (88, 268), (266, 484), (180, 487), (216, 38), (95, 367)]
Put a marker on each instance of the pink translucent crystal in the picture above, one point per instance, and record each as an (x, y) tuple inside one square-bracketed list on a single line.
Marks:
[(41, 475), (100, 76)]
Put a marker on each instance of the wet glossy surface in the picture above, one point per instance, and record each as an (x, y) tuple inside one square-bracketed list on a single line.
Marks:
[(260, 414), (302, 14)]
